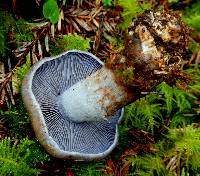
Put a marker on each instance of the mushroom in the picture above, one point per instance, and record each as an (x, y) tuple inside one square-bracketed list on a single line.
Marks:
[(62, 137), (74, 100)]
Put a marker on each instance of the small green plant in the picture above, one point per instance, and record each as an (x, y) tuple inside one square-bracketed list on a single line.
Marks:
[(51, 11), (69, 42), (107, 3), (17, 159), (131, 9)]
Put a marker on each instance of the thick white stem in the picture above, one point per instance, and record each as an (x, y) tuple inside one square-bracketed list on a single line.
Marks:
[(94, 98)]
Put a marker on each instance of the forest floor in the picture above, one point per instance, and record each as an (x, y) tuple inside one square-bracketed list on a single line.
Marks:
[(159, 133)]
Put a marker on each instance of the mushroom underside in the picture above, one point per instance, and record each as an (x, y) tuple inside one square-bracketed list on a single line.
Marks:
[(50, 80)]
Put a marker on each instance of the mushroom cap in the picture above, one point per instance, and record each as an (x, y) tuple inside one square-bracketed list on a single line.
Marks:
[(60, 136)]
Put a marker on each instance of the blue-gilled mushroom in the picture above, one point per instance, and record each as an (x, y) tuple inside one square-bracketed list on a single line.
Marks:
[(45, 95), (71, 98)]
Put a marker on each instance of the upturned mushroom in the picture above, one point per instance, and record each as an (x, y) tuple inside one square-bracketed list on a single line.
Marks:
[(42, 92), (75, 101)]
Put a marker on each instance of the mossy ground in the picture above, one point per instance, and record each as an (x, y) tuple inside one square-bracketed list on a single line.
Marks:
[(159, 134)]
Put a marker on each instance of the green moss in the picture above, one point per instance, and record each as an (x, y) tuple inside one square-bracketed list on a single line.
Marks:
[(20, 73), (17, 32), (147, 165), (185, 147), (143, 114), (177, 152), (18, 158), (192, 16), (36, 154), (177, 144), (186, 140), (150, 112), (17, 120), (69, 42), (193, 46), (89, 169), (20, 155), (22, 32)]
